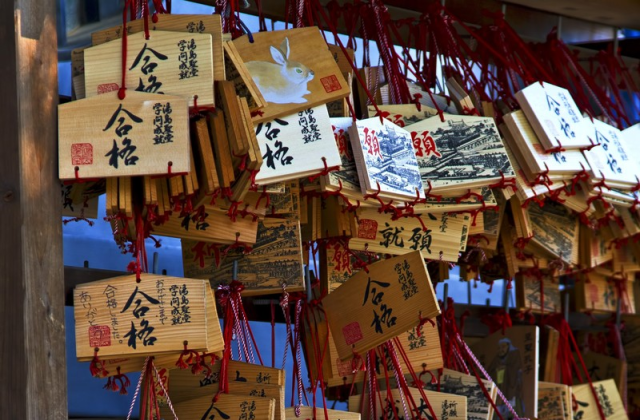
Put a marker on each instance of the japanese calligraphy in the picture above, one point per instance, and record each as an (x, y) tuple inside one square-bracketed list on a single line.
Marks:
[(188, 59), (193, 27), (210, 415), (248, 409), (180, 314), (146, 57), (308, 126), (85, 299), (424, 144), (603, 398), (371, 142), (391, 236), (385, 317), (421, 239), (280, 155), (163, 124), (406, 280), (112, 304), (125, 119), (161, 295), (140, 310), (342, 142), (271, 133), (416, 341)]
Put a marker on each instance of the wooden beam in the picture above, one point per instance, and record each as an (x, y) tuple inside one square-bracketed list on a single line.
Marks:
[(32, 347)]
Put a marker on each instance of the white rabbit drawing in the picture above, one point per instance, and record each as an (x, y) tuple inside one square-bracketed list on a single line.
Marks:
[(284, 82)]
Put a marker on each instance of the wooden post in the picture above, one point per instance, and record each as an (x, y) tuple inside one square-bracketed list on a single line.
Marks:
[(32, 337)]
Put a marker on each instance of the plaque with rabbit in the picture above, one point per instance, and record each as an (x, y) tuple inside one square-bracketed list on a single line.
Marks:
[(293, 69)]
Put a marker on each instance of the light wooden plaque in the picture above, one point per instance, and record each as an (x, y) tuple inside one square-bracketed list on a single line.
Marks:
[(293, 70), (385, 302), (123, 318), (201, 24), (106, 137), (171, 63), (445, 237)]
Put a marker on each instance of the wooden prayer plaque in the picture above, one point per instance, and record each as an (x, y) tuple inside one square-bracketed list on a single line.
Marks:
[(209, 226), (184, 385), (144, 134), (171, 63), (201, 24), (445, 237), (293, 70), (294, 146), (121, 317), (530, 293), (383, 303), (609, 399), (445, 406), (554, 116), (228, 407), (512, 362), (421, 349), (457, 383)]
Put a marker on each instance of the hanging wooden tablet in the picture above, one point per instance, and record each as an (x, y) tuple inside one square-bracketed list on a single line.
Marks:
[(237, 73), (549, 342), (596, 292), (104, 136), (550, 404), (209, 226), (609, 399), (445, 237), (511, 359), (228, 407), (609, 161), (457, 383), (77, 74), (564, 391), (207, 167), (171, 63), (527, 142), (276, 259), (123, 318), (199, 24), (529, 292), (184, 386), (405, 283), (347, 176), (601, 367), (308, 413), (223, 157), (254, 159), (432, 100), (554, 116), (293, 70), (462, 151), (403, 115), (445, 406), (556, 230), (78, 201), (296, 146), (386, 160), (422, 350)]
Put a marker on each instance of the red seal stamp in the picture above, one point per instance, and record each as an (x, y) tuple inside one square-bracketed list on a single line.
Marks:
[(107, 87), (330, 83), (344, 368), (99, 336), (367, 229), (81, 154), (352, 333)]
